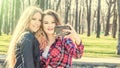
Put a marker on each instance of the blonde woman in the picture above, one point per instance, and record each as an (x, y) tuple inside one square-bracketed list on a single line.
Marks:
[(24, 48)]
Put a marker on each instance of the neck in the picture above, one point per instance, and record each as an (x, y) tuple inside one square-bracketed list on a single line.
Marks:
[(51, 37)]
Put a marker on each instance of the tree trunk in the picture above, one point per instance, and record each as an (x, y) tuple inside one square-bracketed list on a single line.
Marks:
[(1, 17), (50, 6), (98, 19), (73, 17), (79, 20), (76, 17), (83, 19), (38, 2), (94, 21), (17, 11), (58, 4), (42, 6), (114, 27), (12, 17), (67, 8), (88, 16), (108, 19), (5, 26), (46, 4), (118, 46)]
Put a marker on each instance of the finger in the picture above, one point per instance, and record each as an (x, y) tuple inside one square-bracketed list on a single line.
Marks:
[(66, 30), (67, 36), (55, 35), (71, 27)]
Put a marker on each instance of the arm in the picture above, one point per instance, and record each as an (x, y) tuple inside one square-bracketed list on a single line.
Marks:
[(75, 50), (27, 51), (77, 46), (78, 51)]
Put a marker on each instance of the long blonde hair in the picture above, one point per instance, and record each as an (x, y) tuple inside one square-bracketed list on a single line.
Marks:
[(22, 25), (44, 39)]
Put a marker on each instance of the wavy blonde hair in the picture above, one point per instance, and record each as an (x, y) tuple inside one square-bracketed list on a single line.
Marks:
[(22, 25), (43, 39)]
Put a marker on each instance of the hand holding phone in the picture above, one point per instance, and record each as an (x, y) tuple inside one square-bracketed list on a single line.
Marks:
[(59, 30)]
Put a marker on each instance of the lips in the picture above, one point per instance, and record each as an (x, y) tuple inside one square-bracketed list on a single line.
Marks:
[(50, 29)]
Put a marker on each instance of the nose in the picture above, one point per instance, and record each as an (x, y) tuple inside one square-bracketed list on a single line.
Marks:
[(51, 24)]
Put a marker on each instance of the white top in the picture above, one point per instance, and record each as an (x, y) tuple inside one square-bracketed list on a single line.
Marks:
[(45, 53)]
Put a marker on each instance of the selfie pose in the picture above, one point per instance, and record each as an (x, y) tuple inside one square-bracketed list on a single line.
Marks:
[(24, 48), (58, 51)]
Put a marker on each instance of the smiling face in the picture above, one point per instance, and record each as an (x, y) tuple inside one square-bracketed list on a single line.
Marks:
[(35, 22), (49, 24)]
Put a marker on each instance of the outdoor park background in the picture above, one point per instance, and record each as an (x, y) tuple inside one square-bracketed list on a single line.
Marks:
[(97, 22)]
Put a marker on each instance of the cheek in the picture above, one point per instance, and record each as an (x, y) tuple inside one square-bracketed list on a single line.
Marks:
[(31, 23), (54, 25), (44, 27), (39, 24)]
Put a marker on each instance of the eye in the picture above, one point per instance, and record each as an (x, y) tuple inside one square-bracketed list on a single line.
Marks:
[(40, 20), (45, 22), (53, 22), (33, 18)]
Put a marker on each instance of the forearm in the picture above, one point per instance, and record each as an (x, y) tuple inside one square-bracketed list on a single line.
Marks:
[(79, 50), (77, 39)]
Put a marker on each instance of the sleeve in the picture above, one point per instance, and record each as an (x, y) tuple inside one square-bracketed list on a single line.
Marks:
[(75, 50), (78, 51), (27, 49)]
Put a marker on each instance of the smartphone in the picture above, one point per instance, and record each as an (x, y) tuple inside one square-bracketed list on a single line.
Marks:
[(59, 32)]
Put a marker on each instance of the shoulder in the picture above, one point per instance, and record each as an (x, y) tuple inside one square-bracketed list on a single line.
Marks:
[(28, 35), (67, 40), (64, 40), (26, 40)]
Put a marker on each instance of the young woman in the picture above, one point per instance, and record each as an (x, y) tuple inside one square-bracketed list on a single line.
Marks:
[(58, 51), (24, 48)]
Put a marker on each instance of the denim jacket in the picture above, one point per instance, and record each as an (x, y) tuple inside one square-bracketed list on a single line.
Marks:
[(27, 52)]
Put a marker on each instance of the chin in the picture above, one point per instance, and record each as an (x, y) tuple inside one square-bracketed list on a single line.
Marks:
[(35, 30), (50, 33)]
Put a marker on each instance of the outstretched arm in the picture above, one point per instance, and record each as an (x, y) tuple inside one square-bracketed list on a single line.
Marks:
[(78, 47)]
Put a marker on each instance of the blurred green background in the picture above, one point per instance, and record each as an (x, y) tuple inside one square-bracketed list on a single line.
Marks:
[(94, 47)]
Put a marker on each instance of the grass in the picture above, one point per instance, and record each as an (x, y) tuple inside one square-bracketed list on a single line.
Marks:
[(4, 43), (94, 47), (99, 47)]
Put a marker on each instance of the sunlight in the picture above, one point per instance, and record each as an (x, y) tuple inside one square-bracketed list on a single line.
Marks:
[(0, 2)]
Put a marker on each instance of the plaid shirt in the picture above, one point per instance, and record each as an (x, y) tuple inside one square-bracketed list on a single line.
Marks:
[(61, 52)]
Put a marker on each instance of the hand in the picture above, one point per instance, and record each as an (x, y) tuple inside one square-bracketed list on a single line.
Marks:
[(73, 35)]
